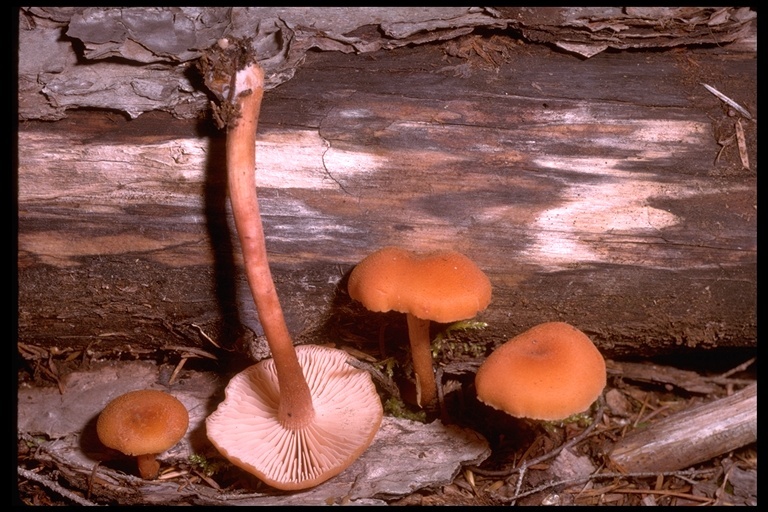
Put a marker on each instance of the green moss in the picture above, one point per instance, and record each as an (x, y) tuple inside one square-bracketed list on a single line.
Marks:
[(203, 465), (448, 347), (387, 366), (398, 409)]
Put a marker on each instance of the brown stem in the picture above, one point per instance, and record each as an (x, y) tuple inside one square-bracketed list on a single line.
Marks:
[(148, 466), (295, 409), (421, 353)]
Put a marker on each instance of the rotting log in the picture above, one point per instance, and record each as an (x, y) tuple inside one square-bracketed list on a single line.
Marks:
[(588, 191)]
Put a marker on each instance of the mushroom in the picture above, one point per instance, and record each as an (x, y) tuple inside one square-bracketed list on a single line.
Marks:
[(143, 424), (442, 286), (231, 73), (246, 430), (549, 372)]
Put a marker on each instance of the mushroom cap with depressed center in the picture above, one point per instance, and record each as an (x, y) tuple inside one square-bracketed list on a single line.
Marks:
[(549, 372), (142, 422), (348, 413), (443, 286)]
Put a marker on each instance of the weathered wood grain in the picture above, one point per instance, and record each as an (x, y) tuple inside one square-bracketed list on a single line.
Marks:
[(587, 190), (690, 436)]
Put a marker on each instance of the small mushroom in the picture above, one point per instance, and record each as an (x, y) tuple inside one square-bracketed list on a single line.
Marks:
[(549, 372), (143, 424), (247, 430), (442, 286)]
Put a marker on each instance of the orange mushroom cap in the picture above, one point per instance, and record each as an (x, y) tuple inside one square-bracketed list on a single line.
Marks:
[(443, 286), (143, 423), (348, 412), (549, 372)]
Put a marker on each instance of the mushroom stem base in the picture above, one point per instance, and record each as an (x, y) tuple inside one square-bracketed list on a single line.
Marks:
[(148, 466)]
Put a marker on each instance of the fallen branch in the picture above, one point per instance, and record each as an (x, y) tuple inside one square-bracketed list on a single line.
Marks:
[(690, 436), (55, 487)]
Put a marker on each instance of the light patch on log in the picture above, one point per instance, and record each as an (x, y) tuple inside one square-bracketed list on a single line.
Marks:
[(315, 225), (618, 205), (308, 162), (612, 202), (595, 127), (666, 131), (53, 168)]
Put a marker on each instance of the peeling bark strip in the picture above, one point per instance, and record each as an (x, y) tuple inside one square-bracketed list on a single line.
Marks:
[(155, 44), (585, 190)]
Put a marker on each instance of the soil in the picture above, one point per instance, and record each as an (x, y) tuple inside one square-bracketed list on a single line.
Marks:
[(631, 404)]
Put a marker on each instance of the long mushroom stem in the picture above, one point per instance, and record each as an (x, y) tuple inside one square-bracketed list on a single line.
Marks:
[(421, 354), (295, 407)]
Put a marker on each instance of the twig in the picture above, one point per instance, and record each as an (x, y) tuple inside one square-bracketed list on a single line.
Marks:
[(441, 395), (742, 144), (726, 477), (728, 101), (377, 375), (525, 465), (191, 351), (53, 486), (91, 478), (601, 476), (647, 417), (726, 379), (208, 338), (177, 370), (743, 366), (665, 492)]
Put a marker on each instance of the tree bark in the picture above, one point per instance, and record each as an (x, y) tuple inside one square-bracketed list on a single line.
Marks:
[(607, 193)]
